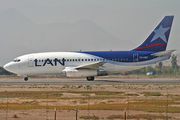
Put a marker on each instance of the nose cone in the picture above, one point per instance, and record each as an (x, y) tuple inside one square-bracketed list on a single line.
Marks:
[(7, 67), (12, 67)]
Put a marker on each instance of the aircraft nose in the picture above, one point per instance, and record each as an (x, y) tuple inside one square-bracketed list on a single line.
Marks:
[(7, 67)]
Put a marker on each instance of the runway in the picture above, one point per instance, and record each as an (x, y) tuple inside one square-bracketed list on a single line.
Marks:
[(83, 81)]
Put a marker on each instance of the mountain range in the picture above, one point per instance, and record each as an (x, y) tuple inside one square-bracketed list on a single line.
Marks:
[(19, 35)]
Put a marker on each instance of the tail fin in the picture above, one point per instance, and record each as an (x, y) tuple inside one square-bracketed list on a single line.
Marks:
[(158, 39)]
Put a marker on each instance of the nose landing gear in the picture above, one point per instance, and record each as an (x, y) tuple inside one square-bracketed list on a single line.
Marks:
[(26, 78)]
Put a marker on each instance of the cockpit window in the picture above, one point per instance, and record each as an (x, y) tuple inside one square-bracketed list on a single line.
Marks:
[(16, 60)]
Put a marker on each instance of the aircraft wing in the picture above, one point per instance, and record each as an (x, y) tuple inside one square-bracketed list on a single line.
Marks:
[(94, 65), (85, 70), (163, 53)]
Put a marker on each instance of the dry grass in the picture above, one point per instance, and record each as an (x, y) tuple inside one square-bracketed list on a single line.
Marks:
[(57, 94), (140, 116), (32, 94), (93, 97), (150, 105), (89, 117), (152, 93)]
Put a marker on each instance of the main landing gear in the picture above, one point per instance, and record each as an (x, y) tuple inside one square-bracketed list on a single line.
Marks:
[(91, 78), (26, 78)]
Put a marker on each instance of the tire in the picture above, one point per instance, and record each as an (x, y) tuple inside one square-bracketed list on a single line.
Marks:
[(26, 78), (91, 78)]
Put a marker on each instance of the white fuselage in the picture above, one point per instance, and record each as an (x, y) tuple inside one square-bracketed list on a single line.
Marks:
[(55, 62)]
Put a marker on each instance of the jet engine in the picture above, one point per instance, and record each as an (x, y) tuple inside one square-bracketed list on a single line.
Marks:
[(81, 73)]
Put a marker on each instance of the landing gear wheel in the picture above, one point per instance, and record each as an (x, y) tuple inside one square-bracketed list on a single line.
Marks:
[(26, 78), (90, 78)]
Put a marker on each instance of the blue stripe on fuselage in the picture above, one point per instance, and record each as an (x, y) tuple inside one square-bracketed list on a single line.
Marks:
[(122, 56)]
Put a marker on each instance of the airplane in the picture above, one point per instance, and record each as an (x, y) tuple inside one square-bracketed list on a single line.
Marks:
[(96, 63)]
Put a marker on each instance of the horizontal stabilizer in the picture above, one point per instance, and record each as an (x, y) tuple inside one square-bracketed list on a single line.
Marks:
[(163, 53)]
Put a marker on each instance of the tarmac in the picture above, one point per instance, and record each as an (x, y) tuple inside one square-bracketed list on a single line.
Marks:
[(83, 81)]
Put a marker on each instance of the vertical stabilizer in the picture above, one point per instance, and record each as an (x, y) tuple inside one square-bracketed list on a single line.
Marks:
[(158, 39)]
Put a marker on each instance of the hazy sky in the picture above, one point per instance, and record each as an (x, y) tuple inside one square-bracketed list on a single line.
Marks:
[(128, 20)]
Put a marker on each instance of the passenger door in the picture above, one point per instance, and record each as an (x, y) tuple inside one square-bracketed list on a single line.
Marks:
[(31, 61)]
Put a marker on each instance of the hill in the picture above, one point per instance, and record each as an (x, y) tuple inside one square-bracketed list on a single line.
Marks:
[(168, 62), (20, 35)]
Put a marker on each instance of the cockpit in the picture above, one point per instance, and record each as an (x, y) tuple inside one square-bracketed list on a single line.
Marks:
[(16, 60)]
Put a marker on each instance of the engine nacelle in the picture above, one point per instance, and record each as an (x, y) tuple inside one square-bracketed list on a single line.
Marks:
[(81, 73), (101, 73)]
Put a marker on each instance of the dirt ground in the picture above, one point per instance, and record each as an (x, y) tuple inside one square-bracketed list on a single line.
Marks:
[(68, 114), (49, 114)]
